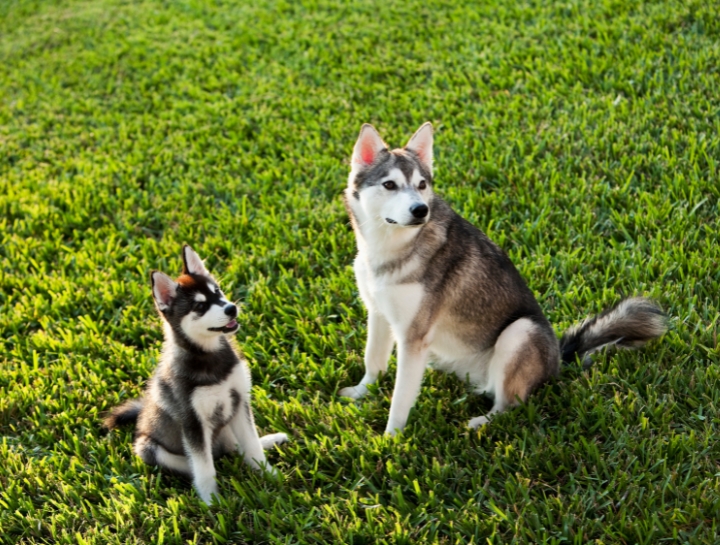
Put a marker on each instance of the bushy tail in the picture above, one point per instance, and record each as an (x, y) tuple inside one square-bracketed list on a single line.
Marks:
[(629, 324), (127, 413)]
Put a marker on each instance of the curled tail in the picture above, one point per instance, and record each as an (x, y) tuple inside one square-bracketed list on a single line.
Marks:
[(629, 324), (127, 413)]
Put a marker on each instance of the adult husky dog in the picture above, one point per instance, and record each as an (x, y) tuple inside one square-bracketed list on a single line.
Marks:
[(443, 291), (197, 404)]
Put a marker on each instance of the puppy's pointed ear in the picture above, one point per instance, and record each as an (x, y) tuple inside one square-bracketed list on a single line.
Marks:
[(368, 146), (192, 263), (164, 289), (421, 143)]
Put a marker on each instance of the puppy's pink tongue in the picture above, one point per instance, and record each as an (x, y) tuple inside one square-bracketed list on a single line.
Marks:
[(231, 323)]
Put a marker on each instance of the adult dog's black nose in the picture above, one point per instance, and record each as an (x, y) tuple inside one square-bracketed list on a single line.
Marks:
[(231, 310), (419, 210)]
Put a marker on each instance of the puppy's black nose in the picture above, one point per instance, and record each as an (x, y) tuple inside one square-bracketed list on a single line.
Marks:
[(419, 210), (231, 310)]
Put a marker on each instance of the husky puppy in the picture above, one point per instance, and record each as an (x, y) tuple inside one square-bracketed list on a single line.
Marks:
[(197, 404), (441, 290)]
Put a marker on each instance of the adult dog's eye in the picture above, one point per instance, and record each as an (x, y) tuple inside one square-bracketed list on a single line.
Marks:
[(422, 184), (390, 185)]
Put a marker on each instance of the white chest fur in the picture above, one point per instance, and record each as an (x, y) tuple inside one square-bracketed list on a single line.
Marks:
[(216, 404), (398, 302)]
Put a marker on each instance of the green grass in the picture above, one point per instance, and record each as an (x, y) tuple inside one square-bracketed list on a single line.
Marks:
[(584, 137)]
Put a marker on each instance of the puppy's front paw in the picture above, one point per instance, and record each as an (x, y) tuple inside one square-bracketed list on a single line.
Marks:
[(354, 392), (271, 472), (272, 439), (208, 491)]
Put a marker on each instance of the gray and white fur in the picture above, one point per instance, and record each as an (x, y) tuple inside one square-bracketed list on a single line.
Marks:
[(196, 406), (443, 292)]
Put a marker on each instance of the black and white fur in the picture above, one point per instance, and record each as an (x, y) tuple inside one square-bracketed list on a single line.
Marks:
[(197, 405), (443, 292)]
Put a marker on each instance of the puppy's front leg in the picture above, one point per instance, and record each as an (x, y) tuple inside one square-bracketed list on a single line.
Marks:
[(412, 358), (197, 440), (243, 426), (377, 353)]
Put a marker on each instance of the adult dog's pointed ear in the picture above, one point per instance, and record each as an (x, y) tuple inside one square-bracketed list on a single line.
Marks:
[(192, 264), (421, 144), (164, 290), (368, 146)]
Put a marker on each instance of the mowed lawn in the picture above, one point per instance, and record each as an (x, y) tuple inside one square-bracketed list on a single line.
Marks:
[(582, 136)]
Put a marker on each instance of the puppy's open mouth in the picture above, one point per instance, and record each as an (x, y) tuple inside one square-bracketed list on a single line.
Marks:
[(229, 327), (413, 223)]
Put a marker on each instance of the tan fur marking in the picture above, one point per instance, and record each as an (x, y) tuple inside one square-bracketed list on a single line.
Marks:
[(186, 281), (524, 374)]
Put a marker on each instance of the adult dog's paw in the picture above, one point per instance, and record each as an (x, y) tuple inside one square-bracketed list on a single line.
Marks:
[(353, 392), (477, 422)]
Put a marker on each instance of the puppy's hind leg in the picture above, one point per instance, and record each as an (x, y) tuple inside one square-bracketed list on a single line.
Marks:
[(227, 442), (525, 356), (153, 453), (273, 439), (377, 353)]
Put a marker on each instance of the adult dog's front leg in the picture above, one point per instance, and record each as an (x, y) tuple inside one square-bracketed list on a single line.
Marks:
[(377, 353), (412, 358)]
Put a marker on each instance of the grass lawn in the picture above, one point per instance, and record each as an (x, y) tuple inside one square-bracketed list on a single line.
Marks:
[(582, 136)]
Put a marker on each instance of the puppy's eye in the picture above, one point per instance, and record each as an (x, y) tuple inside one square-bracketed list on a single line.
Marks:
[(390, 185), (200, 307), (422, 184)]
